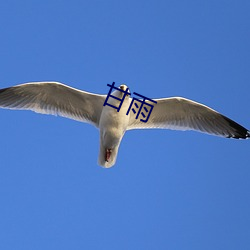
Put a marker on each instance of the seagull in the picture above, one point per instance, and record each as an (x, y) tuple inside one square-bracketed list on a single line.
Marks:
[(175, 113)]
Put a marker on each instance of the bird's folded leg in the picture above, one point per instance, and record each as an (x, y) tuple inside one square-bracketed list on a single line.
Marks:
[(108, 154)]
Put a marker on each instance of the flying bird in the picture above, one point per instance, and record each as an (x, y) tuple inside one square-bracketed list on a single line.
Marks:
[(176, 113)]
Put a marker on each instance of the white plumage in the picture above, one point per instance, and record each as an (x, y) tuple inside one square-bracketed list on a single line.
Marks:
[(169, 113)]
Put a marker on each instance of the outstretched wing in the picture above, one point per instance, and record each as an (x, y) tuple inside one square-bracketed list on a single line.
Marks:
[(54, 98), (182, 114)]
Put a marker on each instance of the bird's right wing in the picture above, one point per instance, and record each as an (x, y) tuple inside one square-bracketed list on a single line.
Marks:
[(54, 98)]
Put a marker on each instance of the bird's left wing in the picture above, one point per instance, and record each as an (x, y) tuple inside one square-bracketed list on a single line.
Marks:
[(182, 114), (54, 98)]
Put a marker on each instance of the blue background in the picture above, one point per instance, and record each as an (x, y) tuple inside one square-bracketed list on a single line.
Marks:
[(169, 189)]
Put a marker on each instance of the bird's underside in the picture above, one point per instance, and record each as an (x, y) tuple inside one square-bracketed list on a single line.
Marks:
[(169, 113)]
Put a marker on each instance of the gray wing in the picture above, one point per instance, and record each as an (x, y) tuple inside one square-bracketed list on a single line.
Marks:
[(182, 114), (54, 98)]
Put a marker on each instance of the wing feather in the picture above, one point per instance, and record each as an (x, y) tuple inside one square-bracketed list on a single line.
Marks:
[(54, 98), (183, 114)]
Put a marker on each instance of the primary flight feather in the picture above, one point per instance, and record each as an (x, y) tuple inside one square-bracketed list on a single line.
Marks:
[(169, 113)]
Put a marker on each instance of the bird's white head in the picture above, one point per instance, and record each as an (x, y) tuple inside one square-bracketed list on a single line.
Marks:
[(124, 88), (119, 93)]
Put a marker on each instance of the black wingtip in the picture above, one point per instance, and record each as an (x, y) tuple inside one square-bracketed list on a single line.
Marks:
[(239, 131), (3, 90), (248, 134)]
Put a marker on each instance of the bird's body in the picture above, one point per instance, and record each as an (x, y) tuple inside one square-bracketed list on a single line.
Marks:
[(113, 126), (169, 113)]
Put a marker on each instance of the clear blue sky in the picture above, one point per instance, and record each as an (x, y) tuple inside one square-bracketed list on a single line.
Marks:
[(169, 189)]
